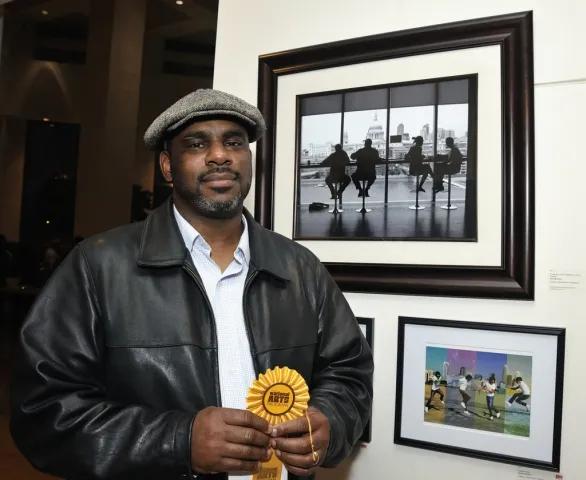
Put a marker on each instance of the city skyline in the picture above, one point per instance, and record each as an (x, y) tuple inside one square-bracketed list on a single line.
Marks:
[(462, 358), (523, 365), (488, 363), (478, 363), (435, 358), (324, 128)]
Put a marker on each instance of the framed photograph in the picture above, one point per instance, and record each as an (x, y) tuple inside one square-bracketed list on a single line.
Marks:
[(481, 390), (386, 147), (405, 160), (367, 327)]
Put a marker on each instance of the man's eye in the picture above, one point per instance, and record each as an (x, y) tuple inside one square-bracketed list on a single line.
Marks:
[(196, 145), (234, 143)]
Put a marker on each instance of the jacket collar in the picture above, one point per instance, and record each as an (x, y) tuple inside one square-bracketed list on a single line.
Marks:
[(162, 244)]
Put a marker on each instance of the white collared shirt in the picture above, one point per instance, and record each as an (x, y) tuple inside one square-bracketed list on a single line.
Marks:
[(225, 291), (524, 388)]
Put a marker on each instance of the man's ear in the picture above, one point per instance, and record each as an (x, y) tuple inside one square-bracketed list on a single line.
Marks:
[(165, 165)]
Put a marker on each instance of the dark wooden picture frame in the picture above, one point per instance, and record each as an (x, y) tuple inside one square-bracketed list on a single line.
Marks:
[(558, 333), (369, 324), (513, 33)]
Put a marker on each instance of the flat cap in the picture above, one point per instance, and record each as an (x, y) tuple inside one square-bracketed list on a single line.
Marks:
[(203, 103)]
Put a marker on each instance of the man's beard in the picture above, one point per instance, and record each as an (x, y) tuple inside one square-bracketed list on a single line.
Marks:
[(207, 207)]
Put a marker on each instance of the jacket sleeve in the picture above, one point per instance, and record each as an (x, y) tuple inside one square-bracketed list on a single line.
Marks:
[(61, 419), (341, 385)]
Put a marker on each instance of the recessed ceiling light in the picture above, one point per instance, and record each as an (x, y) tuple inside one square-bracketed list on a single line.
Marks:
[(44, 12), (179, 2)]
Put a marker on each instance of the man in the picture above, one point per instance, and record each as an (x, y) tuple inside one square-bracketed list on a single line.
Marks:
[(451, 166), (490, 389), (464, 382), (139, 352), (435, 389), (416, 166), (520, 397), (337, 162), (366, 160)]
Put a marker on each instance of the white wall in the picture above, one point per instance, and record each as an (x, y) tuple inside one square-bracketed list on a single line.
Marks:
[(247, 29)]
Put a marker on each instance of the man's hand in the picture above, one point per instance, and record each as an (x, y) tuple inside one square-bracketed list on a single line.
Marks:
[(295, 451), (225, 440)]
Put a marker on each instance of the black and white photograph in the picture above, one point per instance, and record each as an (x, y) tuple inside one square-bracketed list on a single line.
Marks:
[(388, 162)]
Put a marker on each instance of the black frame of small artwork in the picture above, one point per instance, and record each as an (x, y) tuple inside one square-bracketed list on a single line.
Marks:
[(514, 278), (559, 333), (369, 324)]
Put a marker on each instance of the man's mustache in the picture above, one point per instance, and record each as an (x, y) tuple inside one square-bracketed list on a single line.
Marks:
[(218, 171)]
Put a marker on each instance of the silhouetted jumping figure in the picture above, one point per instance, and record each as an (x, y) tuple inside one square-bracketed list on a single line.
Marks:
[(520, 397)]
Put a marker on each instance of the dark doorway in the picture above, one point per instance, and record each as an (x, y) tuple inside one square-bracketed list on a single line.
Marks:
[(49, 183)]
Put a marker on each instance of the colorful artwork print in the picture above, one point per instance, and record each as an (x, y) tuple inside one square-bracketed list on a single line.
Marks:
[(478, 390)]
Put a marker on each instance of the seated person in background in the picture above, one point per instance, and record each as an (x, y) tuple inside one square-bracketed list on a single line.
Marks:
[(416, 166), (53, 255), (337, 162), (366, 160), (450, 167)]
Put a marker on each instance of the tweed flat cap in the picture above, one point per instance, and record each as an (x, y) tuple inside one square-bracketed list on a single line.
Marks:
[(204, 102)]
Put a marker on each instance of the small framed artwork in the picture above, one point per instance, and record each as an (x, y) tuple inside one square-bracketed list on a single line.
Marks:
[(405, 160), (367, 327), (483, 390)]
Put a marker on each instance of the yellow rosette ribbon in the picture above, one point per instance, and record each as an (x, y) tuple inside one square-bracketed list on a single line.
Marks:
[(279, 395)]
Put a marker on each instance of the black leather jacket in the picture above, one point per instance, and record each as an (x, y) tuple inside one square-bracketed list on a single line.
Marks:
[(119, 351)]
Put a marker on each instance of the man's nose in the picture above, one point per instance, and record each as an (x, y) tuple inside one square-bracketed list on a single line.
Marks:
[(218, 154)]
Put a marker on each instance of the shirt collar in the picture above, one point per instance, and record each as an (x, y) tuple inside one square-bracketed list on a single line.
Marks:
[(193, 238)]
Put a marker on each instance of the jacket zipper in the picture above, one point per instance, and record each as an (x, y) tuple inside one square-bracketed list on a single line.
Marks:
[(211, 310), (248, 331)]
